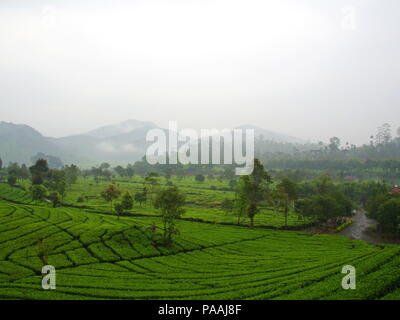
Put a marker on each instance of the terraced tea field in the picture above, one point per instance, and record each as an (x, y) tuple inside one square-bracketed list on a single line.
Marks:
[(202, 201), (97, 256)]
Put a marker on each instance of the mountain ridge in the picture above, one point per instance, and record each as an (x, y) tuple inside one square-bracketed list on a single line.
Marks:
[(122, 142)]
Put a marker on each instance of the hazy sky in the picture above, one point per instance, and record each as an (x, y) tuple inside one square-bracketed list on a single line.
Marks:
[(311, 69)]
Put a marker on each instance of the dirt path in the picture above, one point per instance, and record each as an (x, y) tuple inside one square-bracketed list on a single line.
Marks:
[(358, 229)]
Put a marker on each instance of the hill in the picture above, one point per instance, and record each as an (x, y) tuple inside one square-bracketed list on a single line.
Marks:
[(19, 142), (120, 143), (271, 135)]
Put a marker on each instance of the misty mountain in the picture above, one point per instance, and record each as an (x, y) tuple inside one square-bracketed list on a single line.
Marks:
[(19, 142), (125, 127), (120, 143), (271, 135)]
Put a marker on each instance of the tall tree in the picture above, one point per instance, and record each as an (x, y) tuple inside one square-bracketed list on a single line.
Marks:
[(72, 173), (251, 190), (125, 204), (39, 171), (285, 195), (55, 181), (389, 216), (111, 193), (151, 186), (334, 144), (384, 135), (170, 201), (140, 197), (127, 200)]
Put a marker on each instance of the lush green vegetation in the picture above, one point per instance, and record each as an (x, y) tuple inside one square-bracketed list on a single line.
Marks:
[(113, 234), (99, 256)]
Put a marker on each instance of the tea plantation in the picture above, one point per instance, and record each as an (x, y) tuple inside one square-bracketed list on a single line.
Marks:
[(97, 256)]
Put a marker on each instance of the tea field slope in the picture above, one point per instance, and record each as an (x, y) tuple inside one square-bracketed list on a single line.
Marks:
[(100, 257)]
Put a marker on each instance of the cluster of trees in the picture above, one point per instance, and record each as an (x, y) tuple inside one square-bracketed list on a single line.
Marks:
[(169, 201), (297, 190), (320, 199), (351, 165), (385, 208), (112, 193), (362, 161), (45, 182), (143, 169)]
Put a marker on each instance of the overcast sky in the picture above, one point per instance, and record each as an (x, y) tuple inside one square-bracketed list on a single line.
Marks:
[(310, 69)]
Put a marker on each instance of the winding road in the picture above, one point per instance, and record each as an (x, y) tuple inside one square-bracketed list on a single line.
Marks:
[(357, 230)]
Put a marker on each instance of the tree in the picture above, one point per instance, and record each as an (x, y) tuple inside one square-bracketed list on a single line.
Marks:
[(56, 181), (111, 193), (125, 204), (334, 144), (52, 161), (38, 192), (374, 203), (12, 180), (129, 171), (319, 207), (104, 166), (259, 174), (251, 190), (23, 172), (1, 164), (280, 200), (140, 197), (72, 173), (119, 209), (20, 173), (241, 202), (389, 216), (39, 171), (167, 173), (199, 178), (151, 186), (289, 187), (170, 201), (55, 198), (227, 205), (324, 184), (127, 201), (384, 135), (120, 171), (285, 195), (370, 189)]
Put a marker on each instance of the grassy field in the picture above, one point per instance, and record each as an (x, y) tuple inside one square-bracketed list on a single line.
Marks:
[(97, 256)]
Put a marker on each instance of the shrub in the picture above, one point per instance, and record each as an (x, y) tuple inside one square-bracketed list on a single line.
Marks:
[(81, 199), (344, 225), (38, 192)]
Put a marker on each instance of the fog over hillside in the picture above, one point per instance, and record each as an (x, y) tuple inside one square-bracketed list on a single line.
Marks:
[(300, 67), (122, 142)]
